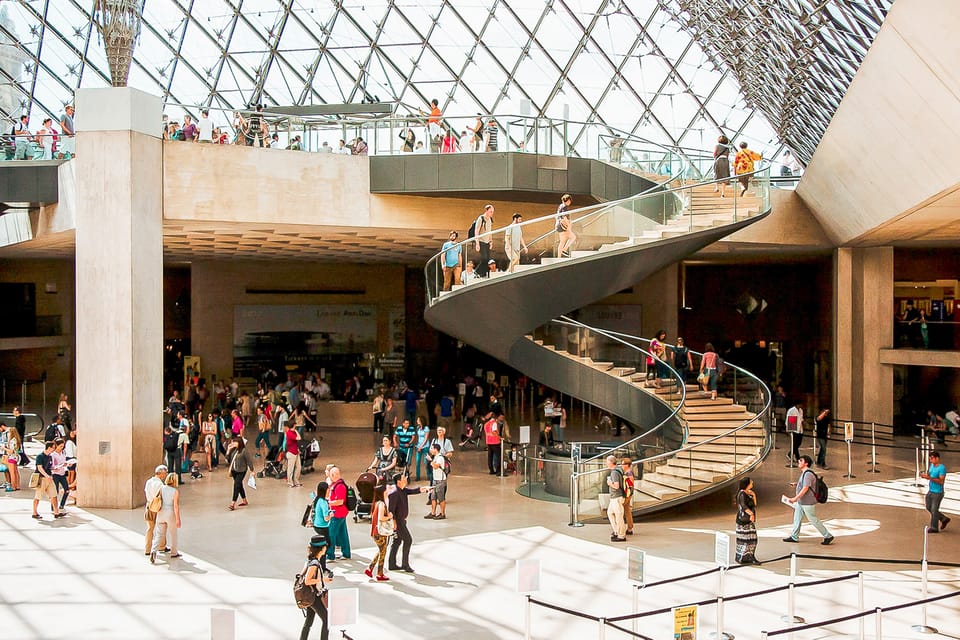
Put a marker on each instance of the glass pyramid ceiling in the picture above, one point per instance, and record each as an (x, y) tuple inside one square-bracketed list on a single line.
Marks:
[(630, 64)]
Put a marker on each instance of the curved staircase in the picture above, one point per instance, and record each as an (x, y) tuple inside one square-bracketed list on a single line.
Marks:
[(697, 444)]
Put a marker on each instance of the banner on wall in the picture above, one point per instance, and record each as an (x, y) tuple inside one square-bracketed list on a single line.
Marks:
[(293, 331)]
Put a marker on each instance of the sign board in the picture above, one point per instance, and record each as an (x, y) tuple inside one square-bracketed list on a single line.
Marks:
[(462, 389), (792, 424), (491, 376), (344, 607), (528, 575), (685, 622), (524, 434), (721, 549), (635, 565), (848, 431), (504, 381)]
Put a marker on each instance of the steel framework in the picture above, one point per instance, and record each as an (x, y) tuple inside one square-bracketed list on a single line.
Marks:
[(671, 70)]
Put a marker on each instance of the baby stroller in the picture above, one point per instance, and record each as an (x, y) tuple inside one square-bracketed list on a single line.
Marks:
[(272, 467), (365, 485), (470, 435), (308, 453)]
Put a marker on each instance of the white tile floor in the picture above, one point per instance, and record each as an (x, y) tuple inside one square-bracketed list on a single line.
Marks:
[(85, 576)]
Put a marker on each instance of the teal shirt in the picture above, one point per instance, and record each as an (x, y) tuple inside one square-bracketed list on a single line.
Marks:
[(321, 512), (940, 472)]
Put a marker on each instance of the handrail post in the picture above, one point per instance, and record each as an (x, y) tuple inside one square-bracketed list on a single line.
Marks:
[(923, 627), (575, 496), (860, 603), (873, 449)]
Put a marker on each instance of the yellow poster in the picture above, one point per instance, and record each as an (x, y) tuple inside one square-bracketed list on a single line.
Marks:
[(685, 623)]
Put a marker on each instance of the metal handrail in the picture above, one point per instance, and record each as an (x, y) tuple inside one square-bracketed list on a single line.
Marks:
[(586, 212)]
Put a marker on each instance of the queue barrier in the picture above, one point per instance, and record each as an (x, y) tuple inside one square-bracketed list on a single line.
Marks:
[(797, 624)]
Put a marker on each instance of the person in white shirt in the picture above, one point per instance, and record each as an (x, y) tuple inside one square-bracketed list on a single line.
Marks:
[(205, 127), (150, 491), (469, 275), (438, 486), (795, 429), (326, 148), (513, 242), (465, 140), (45, 138), (344, 150)]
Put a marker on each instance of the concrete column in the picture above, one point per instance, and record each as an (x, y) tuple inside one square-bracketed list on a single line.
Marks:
[(862, 326), (119, 274)]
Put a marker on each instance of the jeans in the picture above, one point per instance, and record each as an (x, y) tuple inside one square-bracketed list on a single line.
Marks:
[(61, 483), (263, 437), (493, 458), (421, 455), (404, 538), (796, 439), (932, 502), (316, 610), (406, 456), (810, 511), (822, 452), (338, 537), (483, 269), (173, 464), (378, 422)]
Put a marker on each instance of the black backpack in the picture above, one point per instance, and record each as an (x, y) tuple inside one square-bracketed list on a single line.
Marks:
[(820, 489), (473, 230)]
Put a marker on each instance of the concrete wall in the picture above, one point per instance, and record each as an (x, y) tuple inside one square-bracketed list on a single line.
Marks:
[(893, 144)]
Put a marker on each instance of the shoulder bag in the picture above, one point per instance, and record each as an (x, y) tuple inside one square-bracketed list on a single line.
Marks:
[(385, 526)]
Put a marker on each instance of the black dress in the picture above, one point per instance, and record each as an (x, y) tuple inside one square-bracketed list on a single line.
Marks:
[(721, 162)]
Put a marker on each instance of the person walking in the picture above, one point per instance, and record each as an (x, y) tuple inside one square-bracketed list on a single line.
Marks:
[(239, 461), (746, 523), (151, 489), (615, 485), (421, 448), (168, 519), (399, 506), (743, 165), (482, 244), (339, 537), (564, 227), (936, 473), (513, 242), (709, 370), (438, 484), (822, 433), (59, 471), (381, 526), (384, 462), (721, 165), (45, 489), (805, 503), (492, 436), (316, 575)]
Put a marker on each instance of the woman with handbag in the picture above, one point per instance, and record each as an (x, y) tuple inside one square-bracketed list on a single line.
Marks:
[(239, 461), (746, 523), (381, 530), (168, 519), (316, 575)]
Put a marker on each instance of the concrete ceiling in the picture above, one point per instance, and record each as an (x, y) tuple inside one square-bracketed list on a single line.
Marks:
[(185, 242), (933, 223)]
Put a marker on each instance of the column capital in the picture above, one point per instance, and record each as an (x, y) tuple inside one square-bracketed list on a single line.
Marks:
[(119, 109)]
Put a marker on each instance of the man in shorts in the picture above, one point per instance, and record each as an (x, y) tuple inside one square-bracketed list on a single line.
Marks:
[(438, 486)]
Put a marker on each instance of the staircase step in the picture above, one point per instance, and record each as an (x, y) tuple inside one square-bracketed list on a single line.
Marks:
[(701, 456), (582, 254), (721, 468), (706, 476), (747, 440), (718, 427), (722, 408), (707, 402), (603, 366), (546, 261), (680, 485), (623, 371)]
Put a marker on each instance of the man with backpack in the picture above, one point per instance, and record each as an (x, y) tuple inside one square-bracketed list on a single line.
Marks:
[(338, 523), (805, 502)]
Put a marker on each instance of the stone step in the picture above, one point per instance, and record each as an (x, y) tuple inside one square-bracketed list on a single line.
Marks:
[(720, 408), (707, 402), (674, 483), (603, 366), (717, 427), (546, 261), (701, 455), (719, 467), (623, 371), (655, 491), (706, 476), (582, 254)]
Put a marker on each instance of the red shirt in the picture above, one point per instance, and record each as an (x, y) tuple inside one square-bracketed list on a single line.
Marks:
[(293, 443), (492, 431), (339, 492)]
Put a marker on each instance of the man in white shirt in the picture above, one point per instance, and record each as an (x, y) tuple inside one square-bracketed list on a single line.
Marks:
[(150, 491), (438, 491), (469, 275), (326, 148), (795, 429), (205, 127)]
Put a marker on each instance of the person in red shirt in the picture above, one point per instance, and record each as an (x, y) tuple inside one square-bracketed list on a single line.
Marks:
[(291, 445), (491, 432), (338, 523)]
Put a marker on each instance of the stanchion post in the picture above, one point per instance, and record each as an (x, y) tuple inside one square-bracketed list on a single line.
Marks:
[(526, 620), (923, 627), (849, 473), (916, 476), (860, 604), (873, 448), (791, 617), (575, 497), (602, 633), (636, 606), (879, 620), (720, 634)]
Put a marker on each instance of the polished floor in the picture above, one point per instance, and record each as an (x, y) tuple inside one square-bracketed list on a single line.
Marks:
[(85, 576)]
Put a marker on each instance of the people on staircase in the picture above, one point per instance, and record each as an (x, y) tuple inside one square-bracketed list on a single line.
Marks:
[(565, 232)]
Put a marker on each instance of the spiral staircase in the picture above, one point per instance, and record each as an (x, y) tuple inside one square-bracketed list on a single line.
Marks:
[(518, 318)]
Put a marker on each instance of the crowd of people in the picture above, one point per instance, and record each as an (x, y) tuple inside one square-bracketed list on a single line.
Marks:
[(50, 141)]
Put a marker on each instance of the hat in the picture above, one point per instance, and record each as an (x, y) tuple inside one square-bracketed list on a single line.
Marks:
[(491, 261), (318, 541)]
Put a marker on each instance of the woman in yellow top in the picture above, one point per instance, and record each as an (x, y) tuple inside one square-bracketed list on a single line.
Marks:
[(743, 165)]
